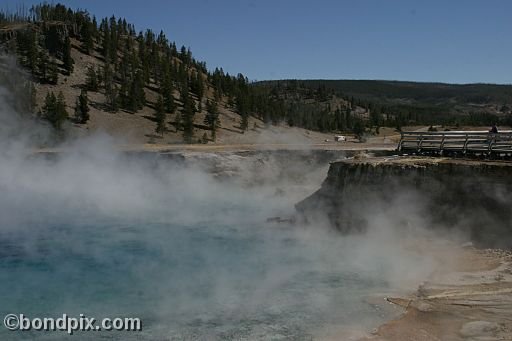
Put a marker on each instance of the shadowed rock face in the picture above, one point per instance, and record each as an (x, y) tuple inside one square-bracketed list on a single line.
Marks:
[(473, 196)]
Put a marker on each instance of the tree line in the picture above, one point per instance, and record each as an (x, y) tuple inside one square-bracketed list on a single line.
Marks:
[(326, 105)]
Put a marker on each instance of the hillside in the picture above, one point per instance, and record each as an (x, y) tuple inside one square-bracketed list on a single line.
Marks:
[(139, 86), (401, 103), (139, 126)]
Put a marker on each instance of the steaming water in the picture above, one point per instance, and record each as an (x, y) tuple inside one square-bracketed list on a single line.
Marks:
[(206, 278)]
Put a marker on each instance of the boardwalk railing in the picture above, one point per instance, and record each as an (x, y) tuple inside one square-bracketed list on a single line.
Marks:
[(457, 142)]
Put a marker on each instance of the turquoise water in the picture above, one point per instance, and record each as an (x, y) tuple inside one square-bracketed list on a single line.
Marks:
[(193, 258), (187, 282)]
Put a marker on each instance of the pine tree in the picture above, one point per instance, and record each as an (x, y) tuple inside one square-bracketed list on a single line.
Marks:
[(187, 118), (111, 90), (211, 118), (82, 108), (141, 94), (136, 95), (183, 79), (32, 53), (62, 113), (242, 107), (348, 119), (113, 41), (99, 76), (87, 37), (52, 75), (142, 57), (43, 63), (170, 106), (244, 123), (52, 40), (50, 105), (160, 116), (132, 103), (106, 46), (54, 110), (375, 116), (94, 28), (33, 97), (66, 56), (197, 85), (167, 90), (112, 96), (358, 129), (27, 49), (91, 80), (78, 111), (123, 94), (204, 139)]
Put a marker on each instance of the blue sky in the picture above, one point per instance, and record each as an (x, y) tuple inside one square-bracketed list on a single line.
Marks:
[(461, 41)]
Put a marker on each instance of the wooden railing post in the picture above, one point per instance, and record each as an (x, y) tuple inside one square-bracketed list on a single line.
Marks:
[(465, 148), (420, 142)]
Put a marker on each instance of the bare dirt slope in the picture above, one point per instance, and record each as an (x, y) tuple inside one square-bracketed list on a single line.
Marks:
[(138, 128)]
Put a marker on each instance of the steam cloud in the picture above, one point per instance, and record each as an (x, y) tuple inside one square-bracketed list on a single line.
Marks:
[(92, 221)]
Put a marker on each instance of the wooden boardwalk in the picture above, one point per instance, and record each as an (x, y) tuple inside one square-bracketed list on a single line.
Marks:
[(472, 143)]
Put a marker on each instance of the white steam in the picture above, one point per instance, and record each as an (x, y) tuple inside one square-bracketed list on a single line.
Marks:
[(53, 204)]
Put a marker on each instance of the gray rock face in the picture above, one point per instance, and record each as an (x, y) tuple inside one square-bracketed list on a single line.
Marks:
[(473, 196)]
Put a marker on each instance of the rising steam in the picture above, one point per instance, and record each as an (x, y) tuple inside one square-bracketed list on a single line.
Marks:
[(181, 244)]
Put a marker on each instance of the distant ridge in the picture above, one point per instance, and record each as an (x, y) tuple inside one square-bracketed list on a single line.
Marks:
[(413, 102)]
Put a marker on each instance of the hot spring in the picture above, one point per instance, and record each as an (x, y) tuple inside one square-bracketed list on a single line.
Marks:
[(108, 235)]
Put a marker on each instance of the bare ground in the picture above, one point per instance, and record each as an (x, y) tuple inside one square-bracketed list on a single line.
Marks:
[(138, 128), (470, 298)]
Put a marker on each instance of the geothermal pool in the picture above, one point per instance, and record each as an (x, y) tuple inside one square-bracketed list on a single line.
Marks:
[(187, 250), (197, 265), (186, 282)]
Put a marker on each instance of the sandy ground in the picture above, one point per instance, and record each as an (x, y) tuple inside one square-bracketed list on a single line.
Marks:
[(279, 137), (467, 298), (158, 148), (273, 138)]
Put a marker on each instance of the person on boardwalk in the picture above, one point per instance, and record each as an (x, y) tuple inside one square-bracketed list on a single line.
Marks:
[(492, 138), (494, 129)]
